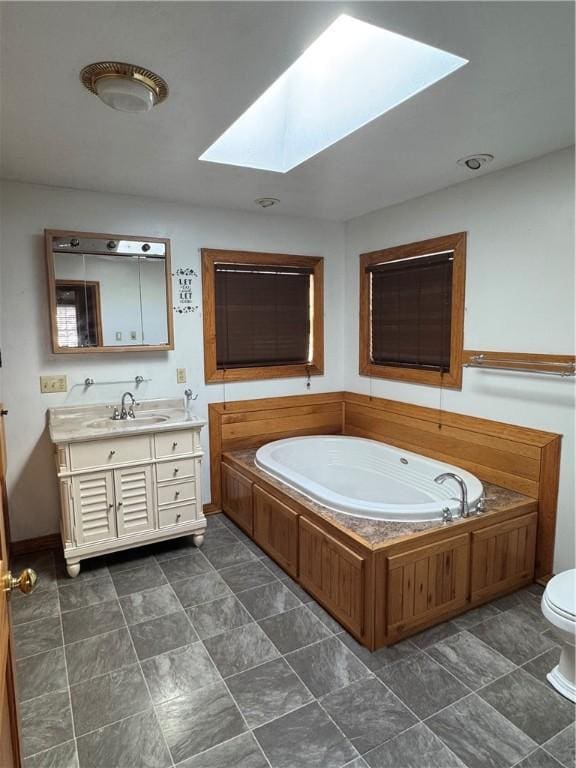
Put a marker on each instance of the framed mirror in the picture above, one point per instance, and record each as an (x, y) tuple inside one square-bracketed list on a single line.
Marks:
[(109, 293)]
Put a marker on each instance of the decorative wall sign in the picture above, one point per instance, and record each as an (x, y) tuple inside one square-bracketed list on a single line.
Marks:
[(185, 299)]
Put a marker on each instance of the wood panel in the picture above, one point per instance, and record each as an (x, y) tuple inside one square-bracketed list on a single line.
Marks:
[(520, 458), (251, 423), (425, 583), (276, 530), (237, 498), (334, 574), (503, 556)]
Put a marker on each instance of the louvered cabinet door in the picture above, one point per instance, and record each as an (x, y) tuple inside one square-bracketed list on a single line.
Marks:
[(94, 507), (134, 500)]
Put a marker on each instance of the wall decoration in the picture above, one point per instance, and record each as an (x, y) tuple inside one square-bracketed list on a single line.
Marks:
[(184, 293)]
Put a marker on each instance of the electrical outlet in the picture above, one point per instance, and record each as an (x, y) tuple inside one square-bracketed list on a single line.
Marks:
[(133, 335), (181, 375), (52, 384)]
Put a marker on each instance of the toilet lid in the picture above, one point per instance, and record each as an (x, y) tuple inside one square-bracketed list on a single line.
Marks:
[(561, 592)]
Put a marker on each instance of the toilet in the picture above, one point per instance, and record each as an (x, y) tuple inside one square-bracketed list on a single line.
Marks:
[(559, 609)]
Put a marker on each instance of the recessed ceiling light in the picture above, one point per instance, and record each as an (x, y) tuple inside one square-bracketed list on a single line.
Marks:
[(125, 87), (266, 202), (350, 75), (475, 162)]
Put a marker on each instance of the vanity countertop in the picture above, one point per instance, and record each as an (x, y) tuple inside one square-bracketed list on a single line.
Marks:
[(377, 533), (73, 424)]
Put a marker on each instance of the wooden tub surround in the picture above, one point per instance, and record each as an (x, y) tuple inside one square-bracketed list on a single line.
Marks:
[(384, 581)]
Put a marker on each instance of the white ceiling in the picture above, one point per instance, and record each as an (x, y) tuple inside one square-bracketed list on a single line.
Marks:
[(515, 99)]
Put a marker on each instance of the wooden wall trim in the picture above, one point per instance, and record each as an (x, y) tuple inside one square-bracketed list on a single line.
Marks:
[(38, 544)]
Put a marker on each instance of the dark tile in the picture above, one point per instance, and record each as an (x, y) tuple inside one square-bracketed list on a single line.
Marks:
[(34, 607), (516, 599), (128, 582), (563, 746), (512, 637), (45, 722), (267, 692), (179, 672), (93, 620), (40, 674), (240, 752), (533, 707), (472, 661), (268, 600), (135, 742), (62, 756), (130, 559), (367, 713), (358, 763), (229, 555), (84, 593), (422, 684), (240, 649), (199, 721), (294, 629), (150, 604), (417, 747), (383, 656), (272, 566), (179, 568), (306, 737), (162, 634), (98, 655), (94, 568), (539, 759), (225, 520), (247, 576), (479, 735), (475, 616), (541, 665), (530, 613), (218, 537), (200, 589), (36, 637), (215, 520), (218, 616), (325, 618), (181, 547), (103, 700), (326, 666), (435, 634), (294, 587), (44, 566)]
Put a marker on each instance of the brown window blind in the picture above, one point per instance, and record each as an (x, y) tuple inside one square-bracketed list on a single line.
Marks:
[(262, 315), (411, 312)]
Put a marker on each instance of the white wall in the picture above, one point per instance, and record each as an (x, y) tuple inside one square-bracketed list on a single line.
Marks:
[(26, 211), (519, 298)]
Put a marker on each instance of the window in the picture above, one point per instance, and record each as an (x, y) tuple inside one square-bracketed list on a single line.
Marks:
[(263, 315), (412, 311), (78, 315)]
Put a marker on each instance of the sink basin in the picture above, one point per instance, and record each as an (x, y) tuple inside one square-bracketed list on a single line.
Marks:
[(139, 421)]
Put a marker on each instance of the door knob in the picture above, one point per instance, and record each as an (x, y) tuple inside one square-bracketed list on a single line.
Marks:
[(25, 582)]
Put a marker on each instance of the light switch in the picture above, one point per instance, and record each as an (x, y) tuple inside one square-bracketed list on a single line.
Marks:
[(133, 335), (49, 384), (181, 375), (118, 335)]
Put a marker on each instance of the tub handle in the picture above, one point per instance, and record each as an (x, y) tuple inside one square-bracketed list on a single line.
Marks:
[(446, 515)]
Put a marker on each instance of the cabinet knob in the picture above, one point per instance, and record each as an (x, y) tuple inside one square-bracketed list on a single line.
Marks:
[(176, 471), (178, 516), (111, 454), (177, 494), (119, 503), (174, 445)]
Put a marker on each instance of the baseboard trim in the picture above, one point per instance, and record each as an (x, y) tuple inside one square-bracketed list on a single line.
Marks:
[(211, 509), (40, 543)]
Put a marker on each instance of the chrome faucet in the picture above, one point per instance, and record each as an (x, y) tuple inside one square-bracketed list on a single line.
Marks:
[(464, 508), (128, 414)]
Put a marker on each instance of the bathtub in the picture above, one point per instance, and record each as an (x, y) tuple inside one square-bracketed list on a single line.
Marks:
[(366, 478)]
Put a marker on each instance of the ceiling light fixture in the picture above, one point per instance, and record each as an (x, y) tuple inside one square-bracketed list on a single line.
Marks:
[(124, 87), (350, 75), (475, 162), (266, 202)]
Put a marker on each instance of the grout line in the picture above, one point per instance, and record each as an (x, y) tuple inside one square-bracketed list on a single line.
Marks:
[(69, 691)]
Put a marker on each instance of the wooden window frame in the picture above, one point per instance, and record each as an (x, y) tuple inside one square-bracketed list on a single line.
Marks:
[(212, 374), (94, 285), (453, 377)]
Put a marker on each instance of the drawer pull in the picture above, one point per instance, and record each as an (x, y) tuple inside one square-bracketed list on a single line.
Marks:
[(119, 504), (174, 446), (111, 454), (177, 494), (178, 516), (176, 471)]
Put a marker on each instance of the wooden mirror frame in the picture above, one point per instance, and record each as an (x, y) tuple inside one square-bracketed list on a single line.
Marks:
[(49, 235)]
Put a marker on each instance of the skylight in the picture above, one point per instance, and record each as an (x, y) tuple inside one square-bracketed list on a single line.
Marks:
[(351, 74)]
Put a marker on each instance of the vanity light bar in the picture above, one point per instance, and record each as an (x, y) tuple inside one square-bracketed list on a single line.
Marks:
[(100, 246)]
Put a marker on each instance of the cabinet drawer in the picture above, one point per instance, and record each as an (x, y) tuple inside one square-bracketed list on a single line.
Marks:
[(176, 492), (175, 470), (173, 443), (185, 513), (103, 453)]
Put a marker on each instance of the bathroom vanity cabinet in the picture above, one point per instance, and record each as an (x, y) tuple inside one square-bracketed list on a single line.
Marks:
[(126, 490)]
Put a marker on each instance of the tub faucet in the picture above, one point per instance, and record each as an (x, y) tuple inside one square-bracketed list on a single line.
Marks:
[(464, 508), (128, 414)]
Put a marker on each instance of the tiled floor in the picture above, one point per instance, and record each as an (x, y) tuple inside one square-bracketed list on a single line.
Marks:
[(213, 658)]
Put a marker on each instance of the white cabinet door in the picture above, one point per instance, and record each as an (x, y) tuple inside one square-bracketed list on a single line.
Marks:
[(134, 500), (93, 497)]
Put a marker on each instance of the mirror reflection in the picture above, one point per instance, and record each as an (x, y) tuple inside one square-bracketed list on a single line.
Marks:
[(109, 293)]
